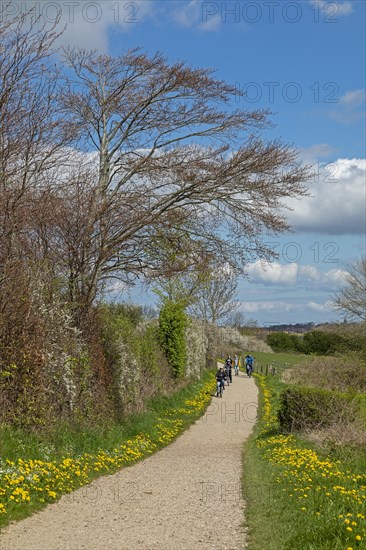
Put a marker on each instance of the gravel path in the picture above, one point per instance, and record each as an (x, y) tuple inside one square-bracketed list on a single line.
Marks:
[(186, 496)]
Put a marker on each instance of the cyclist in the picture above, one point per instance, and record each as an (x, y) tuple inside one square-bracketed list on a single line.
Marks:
[(228, 367), (220, 381), (249, 363), (236, 365)]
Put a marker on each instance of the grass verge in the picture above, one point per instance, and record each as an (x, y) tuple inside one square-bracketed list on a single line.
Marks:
[(300, 497), (36, 470)]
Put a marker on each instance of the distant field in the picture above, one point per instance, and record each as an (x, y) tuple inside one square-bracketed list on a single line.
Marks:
[(288, 359)]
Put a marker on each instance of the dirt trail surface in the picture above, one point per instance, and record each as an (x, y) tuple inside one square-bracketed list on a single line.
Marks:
[(185, 497)]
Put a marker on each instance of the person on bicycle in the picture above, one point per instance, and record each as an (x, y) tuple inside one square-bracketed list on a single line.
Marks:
[(220, 381), (249, 364), (236, 365), (228, 367)]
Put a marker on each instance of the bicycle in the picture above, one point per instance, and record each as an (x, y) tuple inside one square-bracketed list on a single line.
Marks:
[(220, 389), (249, 371), (228, 378)]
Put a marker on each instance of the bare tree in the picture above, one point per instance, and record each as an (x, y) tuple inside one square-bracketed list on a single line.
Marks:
[(172, 158), (31, 134), (149, 312), (351, 299), (236, 319), (215, 298)]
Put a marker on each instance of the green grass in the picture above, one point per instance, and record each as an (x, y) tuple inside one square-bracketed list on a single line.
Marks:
[(277, 473), (276, 521), (34, 466), (280, 361), (66, 440), (289, 359)]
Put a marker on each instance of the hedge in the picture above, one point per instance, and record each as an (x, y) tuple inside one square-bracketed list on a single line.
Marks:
[(304, 408)]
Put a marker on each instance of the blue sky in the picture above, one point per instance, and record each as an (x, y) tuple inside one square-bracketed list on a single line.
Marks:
[(305, 60)]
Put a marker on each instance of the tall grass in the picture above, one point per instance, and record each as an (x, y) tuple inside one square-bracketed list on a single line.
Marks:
[(345, 373)]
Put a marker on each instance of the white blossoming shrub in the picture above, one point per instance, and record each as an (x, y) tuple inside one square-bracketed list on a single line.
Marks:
[(197, 347)]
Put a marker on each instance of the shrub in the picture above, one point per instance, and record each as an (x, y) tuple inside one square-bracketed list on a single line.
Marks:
[(281, 341), (308, 408), (172, 327), (314, 342), (132, 312), (322, 343), (45, 365), (136, 364)]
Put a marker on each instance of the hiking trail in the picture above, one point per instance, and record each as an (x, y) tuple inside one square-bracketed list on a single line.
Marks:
[(186, 496)]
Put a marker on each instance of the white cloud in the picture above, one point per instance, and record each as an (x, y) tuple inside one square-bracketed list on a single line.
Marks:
[(338, 200), (314, 306), (87, 23), (211, 24), (281, 306), (255, 307), (189, 15), (316, 151), (344, 8), (272, 273), (309, 273), (350, 108), (292, 274), (335, 277), (353, 97), (310, 277), (272, 311)]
